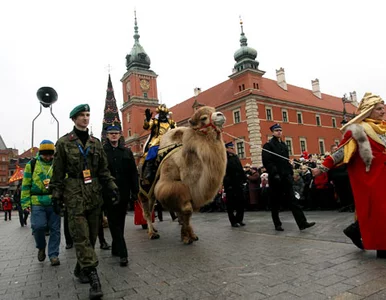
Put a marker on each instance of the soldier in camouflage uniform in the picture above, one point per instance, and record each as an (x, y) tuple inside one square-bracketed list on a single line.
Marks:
[(80, 170)]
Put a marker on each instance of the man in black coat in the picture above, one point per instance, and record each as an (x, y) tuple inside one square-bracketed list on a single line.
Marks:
[(122, 167), (234, 180), (280, 174)]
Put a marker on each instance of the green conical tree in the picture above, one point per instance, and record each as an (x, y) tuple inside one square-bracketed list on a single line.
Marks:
[(111, 113)]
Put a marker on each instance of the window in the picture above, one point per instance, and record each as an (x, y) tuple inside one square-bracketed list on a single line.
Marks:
[(240, 149), (239, 88), (321, 146), (288, 142), (336, 142), (243, 86), (128, 117), (285, 115), (333, 123), (255, 85), (303, 144), (236, 116), (300, 118), (145, 95), (129, 133), (318, 120), (268, 112)]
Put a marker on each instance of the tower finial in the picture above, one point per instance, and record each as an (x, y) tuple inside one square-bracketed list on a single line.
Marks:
[(136, 35), (243, 38)]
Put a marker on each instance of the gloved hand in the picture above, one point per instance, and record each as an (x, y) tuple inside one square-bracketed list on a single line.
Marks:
[(57, 205), (115, 197), (148, 114)]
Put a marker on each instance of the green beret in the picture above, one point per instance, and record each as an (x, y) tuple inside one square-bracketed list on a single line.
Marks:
[(78, 109)]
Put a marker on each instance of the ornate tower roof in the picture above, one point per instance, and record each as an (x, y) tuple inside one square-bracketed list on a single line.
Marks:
[(137, 59), (245, 57), (111, 114)]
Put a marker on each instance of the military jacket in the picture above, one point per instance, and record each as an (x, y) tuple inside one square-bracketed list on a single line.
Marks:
[(67, 180)]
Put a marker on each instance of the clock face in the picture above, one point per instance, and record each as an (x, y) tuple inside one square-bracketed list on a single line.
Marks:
[(145, 84), (128, 86)]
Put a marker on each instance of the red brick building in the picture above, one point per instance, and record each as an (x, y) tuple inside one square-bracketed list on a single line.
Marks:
[(250, 102)]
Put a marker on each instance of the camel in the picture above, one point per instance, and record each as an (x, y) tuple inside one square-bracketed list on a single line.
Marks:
[(191, 175)]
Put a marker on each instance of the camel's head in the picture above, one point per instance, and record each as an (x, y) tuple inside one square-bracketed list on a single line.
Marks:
[(205, 118)]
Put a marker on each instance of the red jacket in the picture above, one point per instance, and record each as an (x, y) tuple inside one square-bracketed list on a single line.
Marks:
[(7, 203)]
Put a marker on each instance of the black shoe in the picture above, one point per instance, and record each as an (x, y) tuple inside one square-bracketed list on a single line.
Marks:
[(123, 262), (355, 238), (279, 228), (69, 246), (242, 224), (42, 254), (105, 246), (235, 225), (82, 277), (95, 289), (381, 253), (307, 225)]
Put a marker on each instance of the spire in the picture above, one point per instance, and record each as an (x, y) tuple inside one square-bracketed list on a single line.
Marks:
[(111, 114), (136, 35), (243, 38), (137, 59)]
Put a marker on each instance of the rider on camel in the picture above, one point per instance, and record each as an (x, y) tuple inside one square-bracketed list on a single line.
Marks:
[(158, 126)]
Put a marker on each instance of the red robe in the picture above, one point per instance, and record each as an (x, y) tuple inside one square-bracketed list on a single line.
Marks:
[(369, 193)]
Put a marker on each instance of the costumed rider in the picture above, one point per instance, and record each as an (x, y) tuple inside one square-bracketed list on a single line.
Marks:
[(158, 126)]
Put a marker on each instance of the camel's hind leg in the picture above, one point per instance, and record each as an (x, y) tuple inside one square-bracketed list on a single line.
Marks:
[(148, 205)]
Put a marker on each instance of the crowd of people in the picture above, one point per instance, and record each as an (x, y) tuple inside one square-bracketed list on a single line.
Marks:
[(82, 180)]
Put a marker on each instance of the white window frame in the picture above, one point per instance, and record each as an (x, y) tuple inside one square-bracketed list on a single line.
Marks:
[(234, 118), (317, 117), (237, 148), (266, 115), (291, 151), (324, 146), (337, 142), (333, 121), (297, 117), (305, 144), (282, 117), (128, 132)]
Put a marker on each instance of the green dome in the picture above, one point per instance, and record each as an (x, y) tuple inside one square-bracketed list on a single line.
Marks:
[(137, 58), (245, 56)]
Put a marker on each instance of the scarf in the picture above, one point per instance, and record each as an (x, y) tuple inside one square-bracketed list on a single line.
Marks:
[(378, 126)]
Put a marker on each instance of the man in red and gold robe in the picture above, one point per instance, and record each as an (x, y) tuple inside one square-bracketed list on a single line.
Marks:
[(363, 149)]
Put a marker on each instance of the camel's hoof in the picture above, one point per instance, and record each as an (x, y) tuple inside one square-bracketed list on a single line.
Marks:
[(187, 241), (195, 238), (154, 236), (155, 230)]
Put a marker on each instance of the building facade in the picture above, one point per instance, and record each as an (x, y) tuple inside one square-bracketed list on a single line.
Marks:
[(250, 102)]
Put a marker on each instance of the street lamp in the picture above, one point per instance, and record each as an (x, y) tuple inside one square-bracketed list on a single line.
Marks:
[(344, 101)]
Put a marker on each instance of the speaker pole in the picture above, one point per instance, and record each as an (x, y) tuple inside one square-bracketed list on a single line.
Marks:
[(57, 123), (33, 127)]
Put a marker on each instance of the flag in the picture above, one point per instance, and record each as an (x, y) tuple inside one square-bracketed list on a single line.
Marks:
[(18, 175)]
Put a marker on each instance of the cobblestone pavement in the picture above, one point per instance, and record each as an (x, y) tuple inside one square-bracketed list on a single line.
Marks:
[(251, 262)]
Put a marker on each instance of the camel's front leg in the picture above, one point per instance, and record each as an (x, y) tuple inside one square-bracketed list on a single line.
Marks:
[(148, 205), (187, 234)]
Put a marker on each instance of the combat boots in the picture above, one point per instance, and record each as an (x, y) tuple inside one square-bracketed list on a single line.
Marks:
[(95, 289), (80, 274)]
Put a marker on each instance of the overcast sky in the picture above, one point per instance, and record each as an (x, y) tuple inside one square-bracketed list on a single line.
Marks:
[(68, 44)]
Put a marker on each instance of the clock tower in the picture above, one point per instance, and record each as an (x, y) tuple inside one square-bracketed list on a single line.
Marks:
[(139, 92)]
